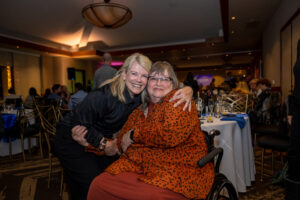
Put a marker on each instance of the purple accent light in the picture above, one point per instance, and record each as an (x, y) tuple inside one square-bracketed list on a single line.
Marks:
[(204, 79), (116, 63), (113, 64)]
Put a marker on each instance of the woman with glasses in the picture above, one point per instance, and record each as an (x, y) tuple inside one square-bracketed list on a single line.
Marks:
[(94, 121), (161, 146)]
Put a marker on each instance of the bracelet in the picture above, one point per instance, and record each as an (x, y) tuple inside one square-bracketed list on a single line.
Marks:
[(102, 143)]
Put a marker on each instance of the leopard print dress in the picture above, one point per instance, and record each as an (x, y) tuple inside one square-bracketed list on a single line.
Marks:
[(168, 144)]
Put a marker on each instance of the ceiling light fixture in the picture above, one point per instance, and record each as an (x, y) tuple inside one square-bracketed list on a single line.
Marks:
[(106, 15)]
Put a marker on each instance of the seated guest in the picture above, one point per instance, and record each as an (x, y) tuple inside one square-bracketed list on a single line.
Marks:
[(253, 87), (77, 97), (55, 92), (65, 95), (262, 104), (161, 146), (29, 102), (47, 93)]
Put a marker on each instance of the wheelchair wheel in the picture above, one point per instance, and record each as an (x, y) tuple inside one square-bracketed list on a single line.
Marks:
[(222, 189)]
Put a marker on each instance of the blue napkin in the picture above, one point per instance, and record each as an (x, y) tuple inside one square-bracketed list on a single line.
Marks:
[(9, 120), (240, 120)]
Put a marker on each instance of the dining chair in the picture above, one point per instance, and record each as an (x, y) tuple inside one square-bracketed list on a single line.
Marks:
[(48, 117), (27, 129), (277, 143)]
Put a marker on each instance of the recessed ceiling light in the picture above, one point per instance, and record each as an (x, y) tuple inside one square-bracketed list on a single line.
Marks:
[(233, 18), (232, 32)]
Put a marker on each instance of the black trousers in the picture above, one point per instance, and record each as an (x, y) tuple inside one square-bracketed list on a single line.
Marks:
[(79, 166), (293, 175)]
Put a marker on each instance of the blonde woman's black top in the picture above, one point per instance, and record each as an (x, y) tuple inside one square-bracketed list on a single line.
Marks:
[(101, 113)]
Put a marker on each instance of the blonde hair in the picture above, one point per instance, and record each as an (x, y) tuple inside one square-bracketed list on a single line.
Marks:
[(117, 86), (160, 67)]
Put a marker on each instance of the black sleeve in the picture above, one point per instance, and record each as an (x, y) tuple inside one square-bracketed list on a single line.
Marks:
[(89, 112), (261, 99)]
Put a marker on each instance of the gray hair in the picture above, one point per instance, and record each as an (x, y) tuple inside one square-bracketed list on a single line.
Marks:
[(160, 67)]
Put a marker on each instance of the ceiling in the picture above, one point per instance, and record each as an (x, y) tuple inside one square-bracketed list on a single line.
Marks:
[(189, 33)]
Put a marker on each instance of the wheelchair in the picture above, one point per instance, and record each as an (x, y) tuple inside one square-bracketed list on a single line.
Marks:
[(222, 188)]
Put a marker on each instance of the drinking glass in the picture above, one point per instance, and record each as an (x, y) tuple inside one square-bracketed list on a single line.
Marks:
[(217, 110), (9, 107)]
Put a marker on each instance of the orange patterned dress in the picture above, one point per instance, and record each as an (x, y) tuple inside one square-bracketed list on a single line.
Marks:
[(168, 144)]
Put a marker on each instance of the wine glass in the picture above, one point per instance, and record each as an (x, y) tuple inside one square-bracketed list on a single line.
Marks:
[(210, 107), (200, 109), (199, 106)]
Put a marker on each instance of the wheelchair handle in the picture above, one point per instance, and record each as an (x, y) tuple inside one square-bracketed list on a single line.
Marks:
[(210, 156)]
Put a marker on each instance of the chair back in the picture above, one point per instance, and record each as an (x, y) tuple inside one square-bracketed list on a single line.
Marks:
[(236, 102)]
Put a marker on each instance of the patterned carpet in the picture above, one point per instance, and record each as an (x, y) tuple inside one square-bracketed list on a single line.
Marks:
[(29, 180)]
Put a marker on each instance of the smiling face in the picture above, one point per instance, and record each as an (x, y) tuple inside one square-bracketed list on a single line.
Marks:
[(159, 85), (135, 79)]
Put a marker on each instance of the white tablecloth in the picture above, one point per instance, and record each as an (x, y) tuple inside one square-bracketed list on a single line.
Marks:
[(238, 159), (16, 146)]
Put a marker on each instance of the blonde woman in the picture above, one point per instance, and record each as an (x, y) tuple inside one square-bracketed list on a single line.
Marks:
[(96, 119)]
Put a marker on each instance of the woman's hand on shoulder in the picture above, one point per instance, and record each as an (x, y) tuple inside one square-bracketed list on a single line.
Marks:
[(184, 95), (78, 134)]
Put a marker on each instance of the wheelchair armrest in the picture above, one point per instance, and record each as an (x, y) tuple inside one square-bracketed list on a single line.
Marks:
[(210, 156)]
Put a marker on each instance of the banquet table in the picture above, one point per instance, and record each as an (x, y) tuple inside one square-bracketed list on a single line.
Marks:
[(238, 158), (9, 120)]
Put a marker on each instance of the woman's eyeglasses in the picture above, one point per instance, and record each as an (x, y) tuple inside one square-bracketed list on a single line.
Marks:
[(161, 79)]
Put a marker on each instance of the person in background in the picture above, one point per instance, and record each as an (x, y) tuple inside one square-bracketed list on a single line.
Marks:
[(262, 104), (161, 146), (190, 81), (97, 120), (65, 95), (77, 97), (241, 86), (253, 87), (105, 72), (231, 80), (29, 102), (212, 86), (47, 93), (55, 92)]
